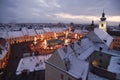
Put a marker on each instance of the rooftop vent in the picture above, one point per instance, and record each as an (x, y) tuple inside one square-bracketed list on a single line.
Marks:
[(67, 63)]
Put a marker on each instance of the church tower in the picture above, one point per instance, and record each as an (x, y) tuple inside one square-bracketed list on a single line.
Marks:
[(92, 26), (103, 23)]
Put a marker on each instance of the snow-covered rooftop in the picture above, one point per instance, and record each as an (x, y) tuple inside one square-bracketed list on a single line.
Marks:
[(114, 65), (79, 51), (40, 31), (31, 32), (86, 49), (33, 63), (13, 34), (3, 34), (57, 29), (25, 31), (47, 29), (104, 36), (77, 67)]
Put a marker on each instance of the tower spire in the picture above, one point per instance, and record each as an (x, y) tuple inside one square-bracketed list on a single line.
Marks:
[(92, 23), (103, 23), (103, 16)]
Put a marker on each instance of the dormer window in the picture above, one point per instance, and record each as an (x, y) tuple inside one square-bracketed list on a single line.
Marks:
[(105, 41), (100, 48)]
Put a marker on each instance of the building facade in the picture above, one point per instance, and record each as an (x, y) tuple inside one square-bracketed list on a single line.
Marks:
[(4, 53)]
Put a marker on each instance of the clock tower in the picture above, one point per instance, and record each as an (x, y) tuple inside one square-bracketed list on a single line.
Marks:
[(103, 23)]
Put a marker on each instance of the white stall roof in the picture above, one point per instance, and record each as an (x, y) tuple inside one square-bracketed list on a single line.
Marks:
[(57, 29), (78, 31), (25, 31)]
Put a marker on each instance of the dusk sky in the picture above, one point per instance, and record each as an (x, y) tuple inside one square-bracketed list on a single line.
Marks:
[(77, 11)]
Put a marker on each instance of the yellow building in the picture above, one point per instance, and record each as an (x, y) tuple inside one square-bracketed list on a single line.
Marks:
[(103, 23)]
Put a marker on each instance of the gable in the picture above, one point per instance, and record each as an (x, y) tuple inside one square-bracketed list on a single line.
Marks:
[(56, 60), (92, 36), (104, 36)]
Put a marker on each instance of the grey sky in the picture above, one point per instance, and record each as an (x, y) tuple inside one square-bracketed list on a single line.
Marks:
[(58, 10)]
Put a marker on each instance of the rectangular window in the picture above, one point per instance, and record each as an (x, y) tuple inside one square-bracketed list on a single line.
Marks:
[(69, 79), (61, 76)]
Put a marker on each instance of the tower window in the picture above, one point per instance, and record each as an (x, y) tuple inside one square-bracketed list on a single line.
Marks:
[(102, 25), (105, 41)]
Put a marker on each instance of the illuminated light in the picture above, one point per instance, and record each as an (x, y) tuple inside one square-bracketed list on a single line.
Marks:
[(66, 42), (45, 44), (55, 35), (95, 63), (3, 65), (66, 34), (35, 40), (76, 36), (41, 37), (46, 48)]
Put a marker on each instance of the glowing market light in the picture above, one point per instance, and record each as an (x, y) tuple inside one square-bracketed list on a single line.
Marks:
[(66, 42), (41, 37), (55, 35), (66, 33), (45, 44), (76, 36), (35, 40)]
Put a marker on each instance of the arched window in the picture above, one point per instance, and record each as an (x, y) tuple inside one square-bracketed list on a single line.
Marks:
[(102, 25)]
